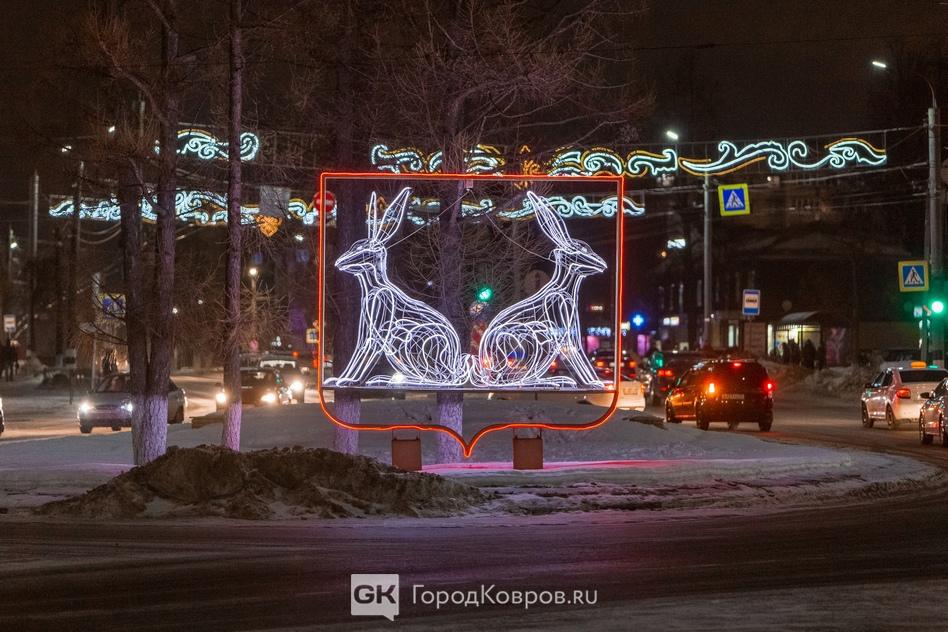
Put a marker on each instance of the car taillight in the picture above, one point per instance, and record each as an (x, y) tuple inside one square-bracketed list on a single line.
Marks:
[(600, 363), (631, 364), (903, 393), (665, 373), (737, 365), (712, 389), (769, 386)]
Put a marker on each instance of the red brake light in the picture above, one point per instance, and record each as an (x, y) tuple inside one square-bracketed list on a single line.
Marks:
[(903, 393), (737, 365), (711, 388), (665, 373), (769, 386)]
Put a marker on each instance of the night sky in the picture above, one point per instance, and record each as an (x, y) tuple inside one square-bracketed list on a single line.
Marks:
[(740, 69)]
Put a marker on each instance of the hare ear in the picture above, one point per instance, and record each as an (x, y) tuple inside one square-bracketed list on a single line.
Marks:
[(549, 220), (391, 219), (371, 219)]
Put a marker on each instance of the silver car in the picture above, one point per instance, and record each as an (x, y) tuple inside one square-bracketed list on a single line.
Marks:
[(895, 395), (931, 419), (110, 405)]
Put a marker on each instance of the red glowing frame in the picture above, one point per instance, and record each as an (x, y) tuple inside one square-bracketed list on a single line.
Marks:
[(468, 447)]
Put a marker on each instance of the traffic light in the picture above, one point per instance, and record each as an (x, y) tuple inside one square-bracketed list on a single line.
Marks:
[(937, 306), (485, 293)]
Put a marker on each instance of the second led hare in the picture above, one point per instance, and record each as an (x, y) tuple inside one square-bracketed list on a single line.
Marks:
[(523, 340)]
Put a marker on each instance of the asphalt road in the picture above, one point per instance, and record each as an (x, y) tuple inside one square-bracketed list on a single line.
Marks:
[(878, 565)]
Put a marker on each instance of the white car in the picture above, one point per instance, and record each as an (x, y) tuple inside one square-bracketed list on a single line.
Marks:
[(895, 395), (110, 405)]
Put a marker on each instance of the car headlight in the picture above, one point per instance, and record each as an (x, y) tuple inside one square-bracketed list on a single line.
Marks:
[(269, 398), (296, 386), (128, 407), (84, 407), (221, 398)]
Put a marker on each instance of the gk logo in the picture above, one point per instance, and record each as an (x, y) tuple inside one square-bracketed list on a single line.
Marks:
[(374, 595)]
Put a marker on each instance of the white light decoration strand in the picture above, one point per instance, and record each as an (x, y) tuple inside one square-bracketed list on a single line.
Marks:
[(419, 342), (204, 208), (640, 163), (205, 146), (522, 341), (840, 153)]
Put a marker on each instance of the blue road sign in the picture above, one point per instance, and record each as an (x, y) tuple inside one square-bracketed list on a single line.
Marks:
[(751, 303), (913, 276), (734, 199)]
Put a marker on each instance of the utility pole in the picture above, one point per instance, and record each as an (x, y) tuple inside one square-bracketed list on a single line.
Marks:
[(706, 284), (936, 229), (34, 238), (72, 330)]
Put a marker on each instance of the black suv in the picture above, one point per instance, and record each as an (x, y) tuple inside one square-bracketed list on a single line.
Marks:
[(730, 391)]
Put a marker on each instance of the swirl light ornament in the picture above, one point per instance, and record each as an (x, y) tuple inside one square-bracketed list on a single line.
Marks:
[(203, 208), (204, 145), (419, 342), (780, 156)]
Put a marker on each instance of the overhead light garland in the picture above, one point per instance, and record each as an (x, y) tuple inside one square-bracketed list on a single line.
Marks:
[(779, 156)]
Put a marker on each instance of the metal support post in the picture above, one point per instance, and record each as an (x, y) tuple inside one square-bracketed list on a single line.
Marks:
[(706, 331)]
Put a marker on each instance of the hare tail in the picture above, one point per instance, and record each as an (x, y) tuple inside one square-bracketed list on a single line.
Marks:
[(472, 371)]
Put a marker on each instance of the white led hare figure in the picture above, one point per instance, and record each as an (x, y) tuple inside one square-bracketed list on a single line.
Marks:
[(523, 340), (418, 341)]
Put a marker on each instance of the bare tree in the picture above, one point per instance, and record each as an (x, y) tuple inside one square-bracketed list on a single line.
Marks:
[(230, 436), (470, 72), (115, 47)]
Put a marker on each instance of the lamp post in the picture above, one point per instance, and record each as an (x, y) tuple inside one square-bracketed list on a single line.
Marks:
[(253, 272), (932, 340)]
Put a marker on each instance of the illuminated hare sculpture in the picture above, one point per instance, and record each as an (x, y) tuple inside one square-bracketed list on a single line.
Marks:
[(419, 342), (523, 340)]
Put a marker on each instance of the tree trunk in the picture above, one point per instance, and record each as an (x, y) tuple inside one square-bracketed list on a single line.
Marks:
[(450, 405), (347, 405), (230, 435), (130, 196), (155, 421)]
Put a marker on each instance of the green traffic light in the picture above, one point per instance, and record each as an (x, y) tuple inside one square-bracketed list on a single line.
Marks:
[(485, 294), (938, 306)]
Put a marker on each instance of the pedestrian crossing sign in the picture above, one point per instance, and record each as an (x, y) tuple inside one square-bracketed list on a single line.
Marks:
[(734, 199), (913, 276)]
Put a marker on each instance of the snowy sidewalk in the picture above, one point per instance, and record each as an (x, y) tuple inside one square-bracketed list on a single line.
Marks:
[(620, 465)]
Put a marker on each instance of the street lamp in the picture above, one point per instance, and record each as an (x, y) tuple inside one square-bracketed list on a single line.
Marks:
[(934, 223), (671, 134), (253, 272)]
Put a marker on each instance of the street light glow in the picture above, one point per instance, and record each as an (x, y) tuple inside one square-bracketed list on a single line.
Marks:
[(14, 245), (252, 272), (111, 129), (671, 134), (880, 64)]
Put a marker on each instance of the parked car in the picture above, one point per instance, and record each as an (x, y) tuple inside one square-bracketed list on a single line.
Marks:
[(895, 395), (631, 391), (730, 391), (931, 417), (110, 405), (663, 371)]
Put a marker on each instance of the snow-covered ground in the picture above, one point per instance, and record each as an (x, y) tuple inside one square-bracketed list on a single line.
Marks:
[(623, 464)]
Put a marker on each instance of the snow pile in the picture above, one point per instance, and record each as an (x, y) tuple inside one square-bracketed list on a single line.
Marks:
[(839, 381), (214, 481), (786, 375)]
